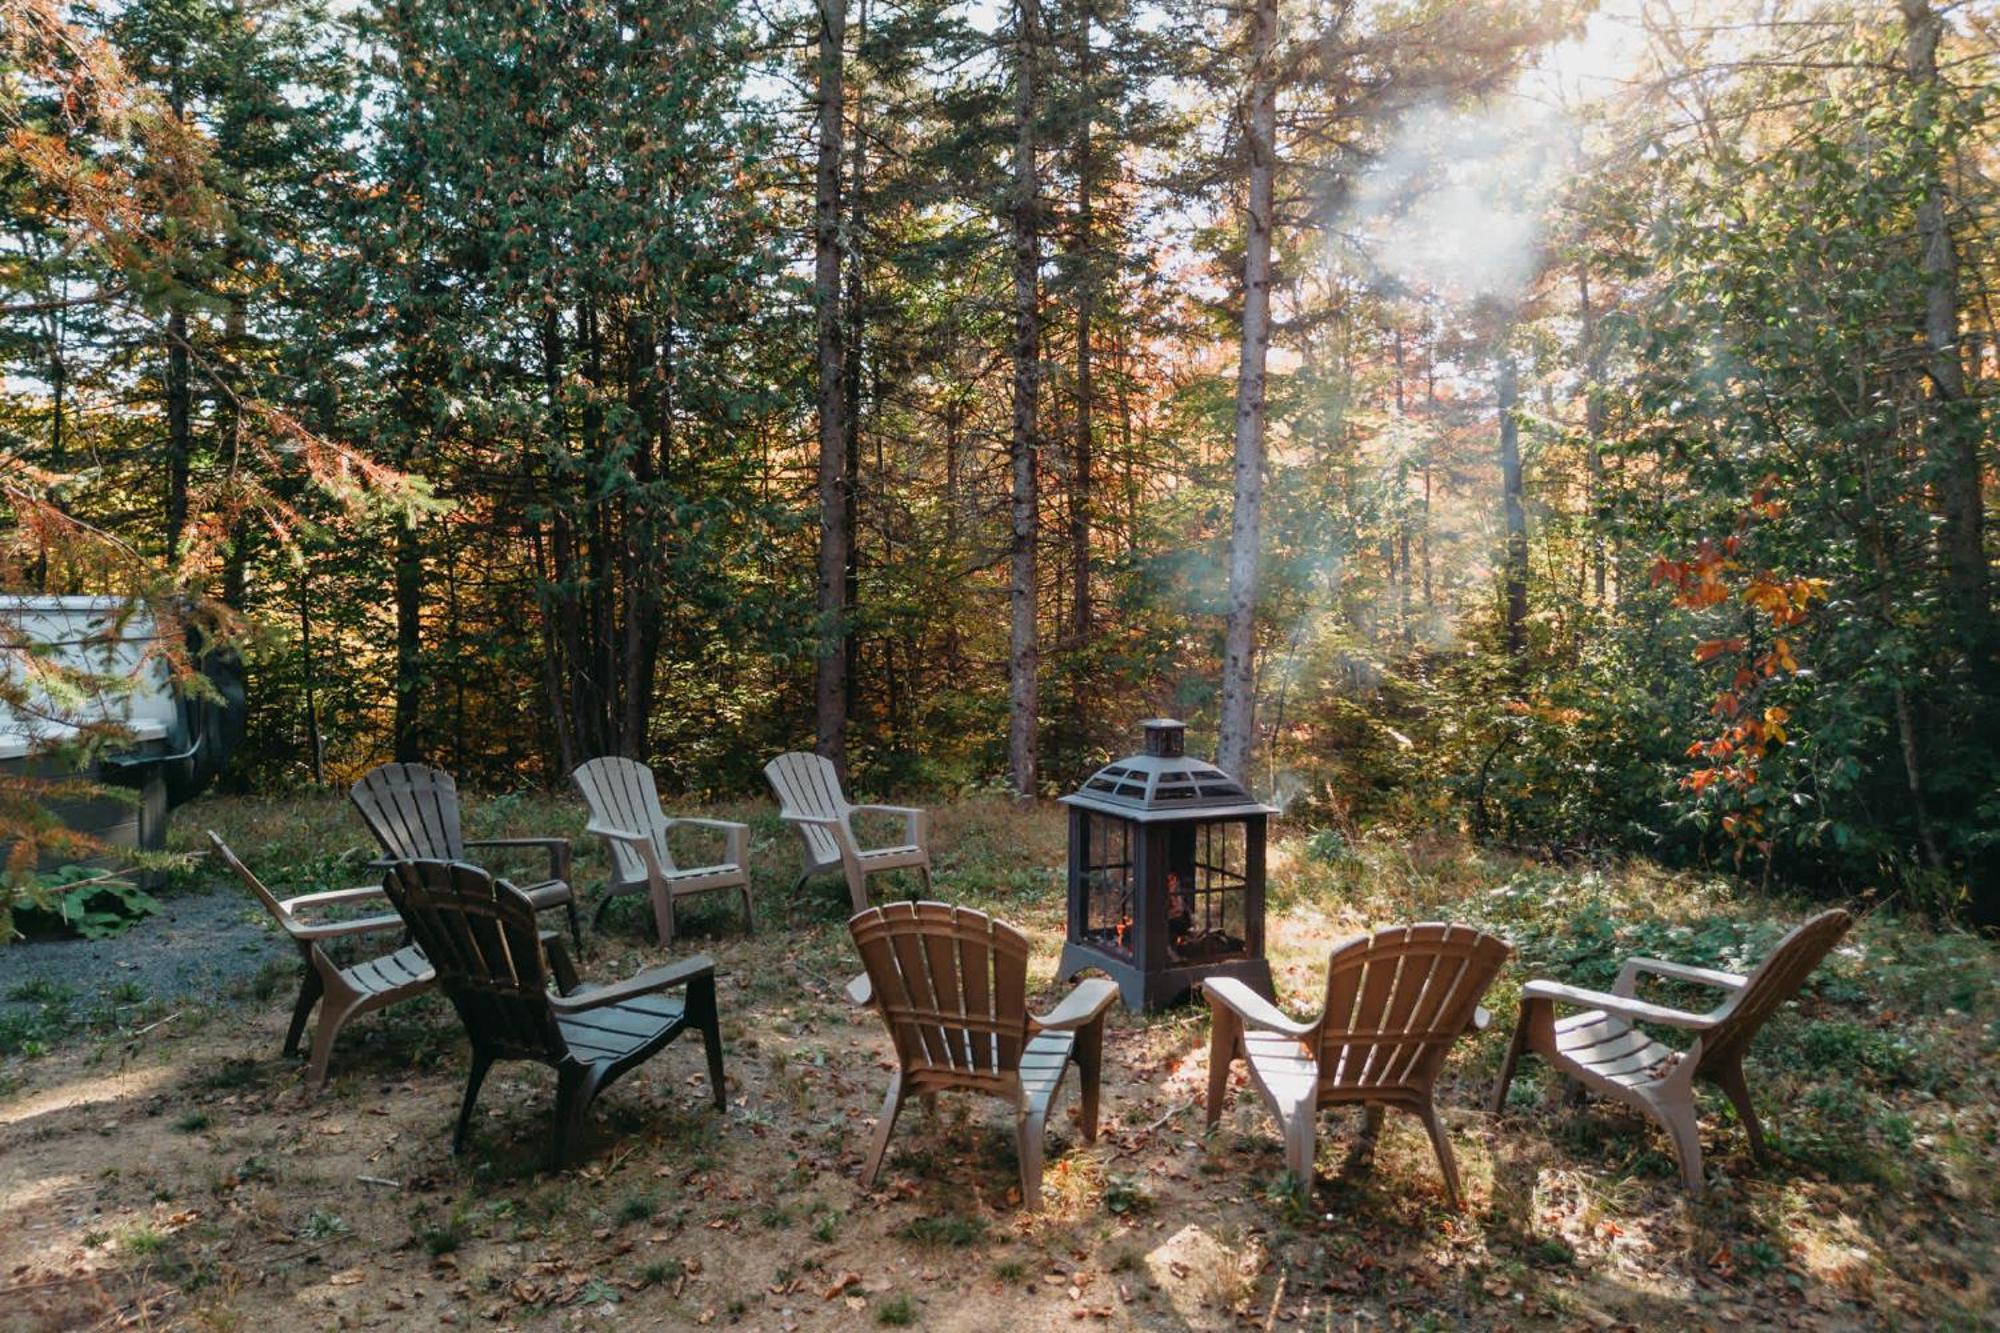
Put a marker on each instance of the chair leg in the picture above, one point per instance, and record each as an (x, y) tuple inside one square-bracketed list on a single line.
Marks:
[(1371, 1127), (1222, 1029), (749, 914), (1030, 1131), (701, 1011), (1301, 1128), (663, 914), (925, 871), (892, 1106), (310, 989), (857, 888), (1730, 1079), (1683, 1126), (1089, 1074), (1515, 1048), (576, 1089), (1441, 1142), (482, 1060), (575, 923), (332, 1016)]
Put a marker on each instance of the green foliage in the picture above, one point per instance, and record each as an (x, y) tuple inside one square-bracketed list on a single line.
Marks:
[(81, 900)]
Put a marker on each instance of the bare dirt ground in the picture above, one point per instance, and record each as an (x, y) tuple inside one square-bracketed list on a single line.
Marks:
[(178, 1178)]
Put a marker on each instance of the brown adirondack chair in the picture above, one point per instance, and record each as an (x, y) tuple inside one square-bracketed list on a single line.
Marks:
[(951, 983), (625, 811), (1395, 1002), (412, 809), (341, 992), (1605, 1049), (810, 800), (480, 934)]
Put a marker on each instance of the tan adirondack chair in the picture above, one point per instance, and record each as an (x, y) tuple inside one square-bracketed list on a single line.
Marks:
[(1605, 1049), (625, 812), (1395, 1002), (413, 811), (341, 992), (951, 983), (810, 800), (496, 968)]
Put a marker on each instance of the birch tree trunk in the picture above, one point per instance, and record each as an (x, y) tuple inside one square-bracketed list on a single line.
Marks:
[(1954, 442), (830, 683), (1023, 650), (1239, 680)]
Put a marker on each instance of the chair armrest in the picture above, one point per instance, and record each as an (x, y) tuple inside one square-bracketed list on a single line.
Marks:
[(361, 894), (1623, 1005), (649, 982), (1629, 974), (826, 821), (915, 821), (1084, 1005), (1252, 1009), (559, 961), (558, 849), (642, 843), (861, 990), (333, 930), (735, 836)]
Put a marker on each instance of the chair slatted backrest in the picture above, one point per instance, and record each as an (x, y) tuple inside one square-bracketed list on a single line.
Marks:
[(264, 895), (412, 809), (622, 793), (480, 934), (1397, 999), (1776, 980), (953, 985), (809, 784)]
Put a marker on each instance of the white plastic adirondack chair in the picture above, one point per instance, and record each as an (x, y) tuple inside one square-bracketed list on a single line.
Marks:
[(810, 800), (625, 811)]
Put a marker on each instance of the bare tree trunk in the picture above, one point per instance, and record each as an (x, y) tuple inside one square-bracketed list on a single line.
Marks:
[(830, 683), (1593, 431), (315, 747), (1086, 302), (1239, 681), (1516, 563), (1955, 459), (1023, 648), (855, 327), (180, 429)]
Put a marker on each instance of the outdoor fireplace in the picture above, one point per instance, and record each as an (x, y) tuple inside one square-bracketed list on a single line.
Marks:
[(1166, 874)]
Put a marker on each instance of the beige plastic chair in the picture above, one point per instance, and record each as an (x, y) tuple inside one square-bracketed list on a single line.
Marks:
[(951, 983), (1395, 1002), (809, 799), (345, 991), (625, 812), (413, 811), (1604, 1048)]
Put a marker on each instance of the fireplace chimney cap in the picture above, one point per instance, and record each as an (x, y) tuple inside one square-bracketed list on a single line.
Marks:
[(1164, 782)]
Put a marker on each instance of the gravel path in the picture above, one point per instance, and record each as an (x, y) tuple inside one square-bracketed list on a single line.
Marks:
[(203, 944)]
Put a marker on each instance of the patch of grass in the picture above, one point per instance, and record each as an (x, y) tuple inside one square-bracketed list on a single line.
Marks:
[(944, 1231), (899, 1311), (826, 1227), (1010, 1270), (322, 1225), (1127, 1194), (191, 1122), (40, 990), (661, 1272), (143, 1241), (637, 1208)]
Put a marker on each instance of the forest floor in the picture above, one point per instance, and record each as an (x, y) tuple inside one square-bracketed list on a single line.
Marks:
[(160, 1166)]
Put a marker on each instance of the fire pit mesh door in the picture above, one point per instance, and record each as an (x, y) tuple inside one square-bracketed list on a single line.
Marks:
[(1207, 878), (1108, 882)]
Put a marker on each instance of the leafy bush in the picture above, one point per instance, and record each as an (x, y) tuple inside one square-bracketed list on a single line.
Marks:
[(86, 900)]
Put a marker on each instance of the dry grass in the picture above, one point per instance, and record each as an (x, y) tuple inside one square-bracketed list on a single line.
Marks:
[(185, 1169)]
